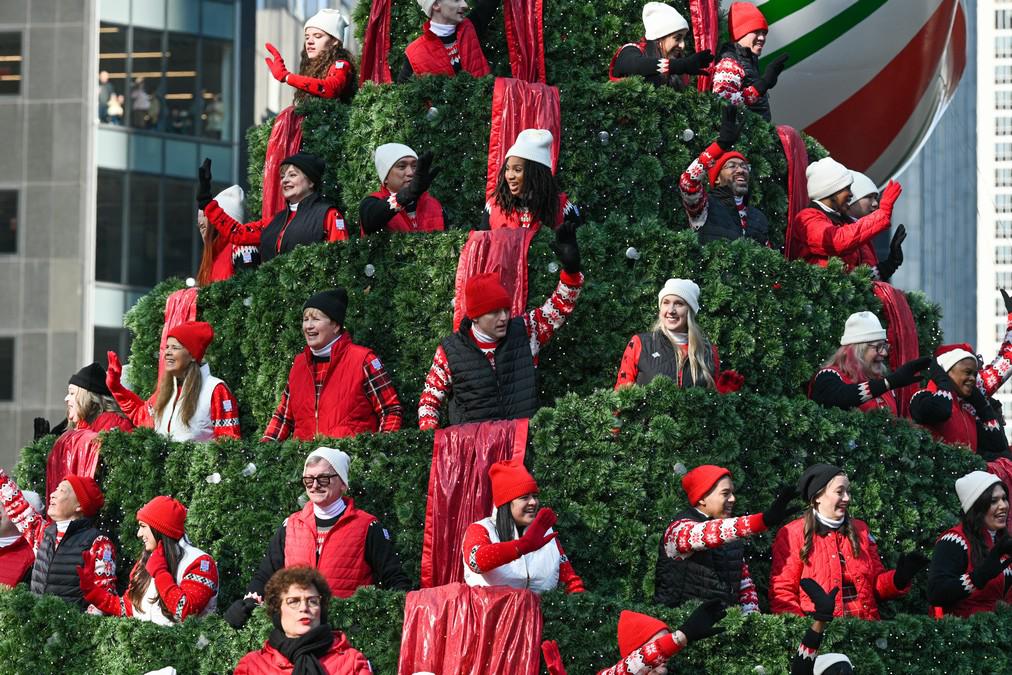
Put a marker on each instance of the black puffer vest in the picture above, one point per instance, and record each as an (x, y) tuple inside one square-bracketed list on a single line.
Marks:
[(723, 222), (479, 393), (704, 575), (657, 359), (55, 570), (749, 62), (306, 227)]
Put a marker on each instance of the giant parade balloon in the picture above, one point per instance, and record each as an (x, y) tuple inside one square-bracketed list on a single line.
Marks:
[(867, 78)]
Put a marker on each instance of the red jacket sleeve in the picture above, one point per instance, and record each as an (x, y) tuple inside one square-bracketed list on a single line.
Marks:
[(885, 586), (629, 368), (567, 575), (190, 597), (825, 239), (651, 655), (785, 575), (224, 413), (334, 227), (481, 555), (240, 234), (331, 86)]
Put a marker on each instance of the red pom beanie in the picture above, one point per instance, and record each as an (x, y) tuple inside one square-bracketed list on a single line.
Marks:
[(698, 482), (634, 629), (714, 171), (164, 514), (743, 18), (510, 479), (88, 494), (195, 336), (484, 293)]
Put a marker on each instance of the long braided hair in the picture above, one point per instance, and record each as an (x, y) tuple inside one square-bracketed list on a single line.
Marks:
[(540, 193), (318, 67)]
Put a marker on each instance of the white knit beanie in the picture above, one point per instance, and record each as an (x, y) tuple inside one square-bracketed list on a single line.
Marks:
[(862, 186), (660, 20), (338, 459), (862, 327), (230, 201), (426, 6), (824, 661), (330, 21), (950, 358), (686, 289), (389, 154), (970, 487), (535, 145), (826, 177)]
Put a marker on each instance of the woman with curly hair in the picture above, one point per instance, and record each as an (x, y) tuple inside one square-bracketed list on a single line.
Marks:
[(326, 68)]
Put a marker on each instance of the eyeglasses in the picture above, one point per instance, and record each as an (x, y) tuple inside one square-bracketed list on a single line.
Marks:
[(323, 479), (313, 602), (734, 166), (880, 347)]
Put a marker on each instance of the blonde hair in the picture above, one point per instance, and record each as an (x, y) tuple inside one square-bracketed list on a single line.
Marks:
[(90, 405), (698, 353), (188, 395)]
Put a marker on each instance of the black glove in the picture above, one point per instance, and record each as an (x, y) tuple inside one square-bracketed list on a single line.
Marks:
[(888, 267), (909, 565), (239, 612), (424, 175), (908, 373), (700, 623), (992, 564), (694, 64), (771, 74), (1008, 301), (204, 184), (573, 215), (730, 130), (566, 247), (781, 508), (41, 428), (825, 603)]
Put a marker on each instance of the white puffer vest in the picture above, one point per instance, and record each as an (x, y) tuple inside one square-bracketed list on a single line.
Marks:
[(200, 428), (151, 609), (537, 571)]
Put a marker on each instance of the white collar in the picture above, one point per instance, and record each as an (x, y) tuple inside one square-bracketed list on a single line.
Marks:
[(62, 525), (328, 512), (826, 208), (324, 352), (442, 29), (829, 522), (481, 337)]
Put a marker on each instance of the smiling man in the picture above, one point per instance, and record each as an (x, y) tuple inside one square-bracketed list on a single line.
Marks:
[(451, 39), (335, 388), (736, 76), (348, 546)]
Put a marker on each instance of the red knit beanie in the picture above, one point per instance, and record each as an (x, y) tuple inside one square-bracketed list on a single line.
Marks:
[(164, 514), (195, 336), (484, 293), (698, 482), (88, 494), (510, 479), (743, 18), (714, 171), (634, 629)]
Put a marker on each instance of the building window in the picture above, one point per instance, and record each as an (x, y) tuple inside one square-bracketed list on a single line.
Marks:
[(112, 73), (142, 249), (1003, 255), (1003, 126), (8, 221), (181, 85), (1003, 18), (1003, 177), (216, 89), (1003, 152), (10, 64), (6, 369), (1003, 203), (146, 96), (1003, 279), (1003, 100), (109, 226), (179, 248), (1003, 47), (1003, 229), (111, 340)]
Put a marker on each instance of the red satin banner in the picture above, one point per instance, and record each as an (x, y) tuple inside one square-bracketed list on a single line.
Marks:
[(376, 45), (704, 17), (503, 251), (525, 37), (902, 336), (180, 307), (519, 105), (460, 492), (797, 181), (74, 452), (463, 630), (285, 141)]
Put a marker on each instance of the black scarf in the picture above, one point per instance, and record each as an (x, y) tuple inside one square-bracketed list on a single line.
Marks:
[(304, 652)]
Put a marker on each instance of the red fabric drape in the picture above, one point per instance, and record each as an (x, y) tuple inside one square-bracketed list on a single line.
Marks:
[(525, 37), (285, 141), (704, 17), (460, 630), (180, 307), (460, 491), (503, 251), (376, 45), (519, 105), (75, 451), (797, 182), (902, 336)]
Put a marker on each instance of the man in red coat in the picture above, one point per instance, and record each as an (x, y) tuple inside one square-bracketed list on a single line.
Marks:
[(450, 39), (403, 202), (335, 388), (824, 228), (16, 554)]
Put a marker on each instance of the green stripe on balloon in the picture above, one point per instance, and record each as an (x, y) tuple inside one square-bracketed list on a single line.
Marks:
[(813, 41), (774, 10)]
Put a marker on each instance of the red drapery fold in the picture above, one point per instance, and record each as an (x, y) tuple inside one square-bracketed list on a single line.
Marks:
[(902, 336), (460, 492), (376, 45), (503, 251), (180, 307), (704, 17), (519, 105), (74, 452), (462, 630), (525, 37), (285, 141), (797, 182)]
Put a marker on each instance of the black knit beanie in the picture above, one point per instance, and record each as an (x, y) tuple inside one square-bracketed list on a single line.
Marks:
[(311, 165), (92, 378), (815, 478), (333, 303)]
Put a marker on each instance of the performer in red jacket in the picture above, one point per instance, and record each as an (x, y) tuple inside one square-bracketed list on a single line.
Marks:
[(327, 69), (451, 39), (403, 203)]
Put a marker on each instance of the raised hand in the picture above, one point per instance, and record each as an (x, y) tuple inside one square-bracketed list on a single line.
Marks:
[(204, 184), (730, 128), (889, 196), (908, 373), (276, 64), (772, 74), (782, 508), (566, 247), (701, 623), (534, 536), (693, 64)]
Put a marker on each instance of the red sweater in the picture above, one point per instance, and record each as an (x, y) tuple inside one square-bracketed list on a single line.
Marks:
[(15, 561)]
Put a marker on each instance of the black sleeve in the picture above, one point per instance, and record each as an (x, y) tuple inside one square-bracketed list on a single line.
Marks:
[(406, 72), (631, 61), (382, 559), (929, 408), (374, 214), (831, 391), (485, 225), (273, 560), (949, 562), (482, 14), (803, 662), (991, 441)]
